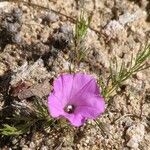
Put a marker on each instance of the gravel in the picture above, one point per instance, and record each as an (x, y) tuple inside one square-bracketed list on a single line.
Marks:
[(42, 42)]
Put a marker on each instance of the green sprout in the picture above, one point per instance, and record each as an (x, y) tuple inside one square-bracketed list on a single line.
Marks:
[(9, 130), (123, 73), (81, 28), (21, 123)]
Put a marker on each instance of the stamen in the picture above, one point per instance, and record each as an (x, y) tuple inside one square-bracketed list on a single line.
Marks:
[(69, 109)]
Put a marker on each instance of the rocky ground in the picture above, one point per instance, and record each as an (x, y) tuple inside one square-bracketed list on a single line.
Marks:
[(36, 45)]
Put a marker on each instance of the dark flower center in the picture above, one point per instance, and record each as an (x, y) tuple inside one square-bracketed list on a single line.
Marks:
[(69, 109)]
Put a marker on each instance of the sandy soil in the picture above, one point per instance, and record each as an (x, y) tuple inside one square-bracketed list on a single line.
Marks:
[(36, 44)]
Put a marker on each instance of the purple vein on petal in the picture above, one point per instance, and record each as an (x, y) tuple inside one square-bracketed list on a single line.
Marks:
[(71, 88), (62, 84), (57, 108), (95, 96), (58, 98), (81, 91)]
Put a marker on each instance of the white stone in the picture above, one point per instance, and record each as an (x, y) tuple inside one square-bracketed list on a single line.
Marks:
[(127, 17), (4, 4), (135, 135)]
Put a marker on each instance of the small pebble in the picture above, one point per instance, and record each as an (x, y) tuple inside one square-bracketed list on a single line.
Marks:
[(12, 27), (49, 18), (135, 134), (65, 29), (17, 14), (17, 38)]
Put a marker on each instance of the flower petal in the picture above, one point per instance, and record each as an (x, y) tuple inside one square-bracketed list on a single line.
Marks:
[(75, 119), (79, 90), (54, 106), (84, 83), (67, 86), (63, 87), (92, 108)]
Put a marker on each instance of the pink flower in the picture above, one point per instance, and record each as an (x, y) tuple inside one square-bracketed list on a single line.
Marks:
[(76, 97)]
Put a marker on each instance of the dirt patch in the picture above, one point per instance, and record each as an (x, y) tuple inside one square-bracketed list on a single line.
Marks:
[(36, 45)]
